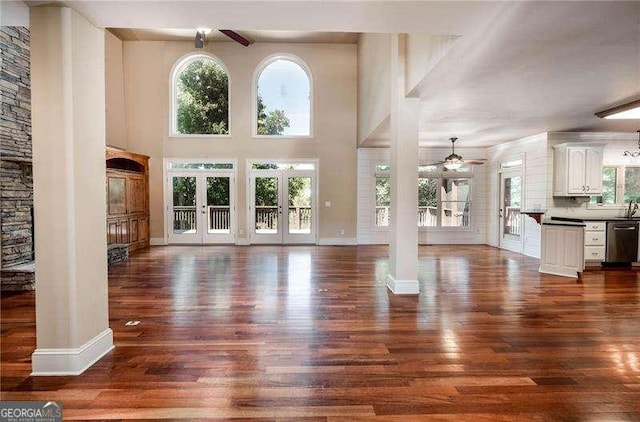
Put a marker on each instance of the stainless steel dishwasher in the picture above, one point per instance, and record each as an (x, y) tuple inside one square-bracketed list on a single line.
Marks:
[(622, 241)]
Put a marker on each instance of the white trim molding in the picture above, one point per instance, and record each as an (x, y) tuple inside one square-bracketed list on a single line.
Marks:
[(59, 362), (403, 287), (337, 241), (242, 241), (157, 241)]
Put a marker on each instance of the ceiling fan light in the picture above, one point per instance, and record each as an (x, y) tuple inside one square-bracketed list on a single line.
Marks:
[(453, 162)]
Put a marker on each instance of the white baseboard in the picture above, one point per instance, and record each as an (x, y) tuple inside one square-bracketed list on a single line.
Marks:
[(157, 241), (339, 241), (54, 362), (403, 287), (242, 241)]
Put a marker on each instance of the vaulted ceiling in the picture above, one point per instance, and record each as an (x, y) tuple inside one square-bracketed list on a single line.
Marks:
[(518, 68)]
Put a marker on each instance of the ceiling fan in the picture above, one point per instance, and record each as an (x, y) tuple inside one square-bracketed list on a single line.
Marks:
[(453, 161), (202, 32)]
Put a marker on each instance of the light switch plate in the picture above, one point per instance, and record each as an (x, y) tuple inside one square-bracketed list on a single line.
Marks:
[(327, 204)]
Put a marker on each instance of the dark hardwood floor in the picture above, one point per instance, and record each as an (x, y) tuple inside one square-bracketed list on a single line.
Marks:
[(311, 333)]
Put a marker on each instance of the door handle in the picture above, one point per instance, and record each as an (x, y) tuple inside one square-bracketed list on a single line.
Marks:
[(625, 228)]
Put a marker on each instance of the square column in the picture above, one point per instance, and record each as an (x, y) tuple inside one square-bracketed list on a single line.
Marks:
[(404, 120), (68, 112)]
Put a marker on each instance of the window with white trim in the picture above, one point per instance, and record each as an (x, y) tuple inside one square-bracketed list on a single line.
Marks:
[(200, 96), (444, 197), (283, 98), (620, 185)]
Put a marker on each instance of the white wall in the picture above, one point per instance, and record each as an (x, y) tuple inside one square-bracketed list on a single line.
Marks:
[(615, 144), (374, 82), (69, 174), (535, 173), (424, 52), (114, 81), (147, 69), (14, 13), (368, 158)]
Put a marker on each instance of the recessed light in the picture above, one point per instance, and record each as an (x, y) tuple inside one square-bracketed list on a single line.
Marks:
[(205, 31)]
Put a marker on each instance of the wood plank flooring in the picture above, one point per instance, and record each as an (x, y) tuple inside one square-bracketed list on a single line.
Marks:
[(312, 334)]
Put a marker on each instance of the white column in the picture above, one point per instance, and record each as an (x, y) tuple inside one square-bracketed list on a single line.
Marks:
[(403, 253), (68, 112)]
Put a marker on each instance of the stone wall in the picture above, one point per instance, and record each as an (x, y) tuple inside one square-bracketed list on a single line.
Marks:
[(16, 183)]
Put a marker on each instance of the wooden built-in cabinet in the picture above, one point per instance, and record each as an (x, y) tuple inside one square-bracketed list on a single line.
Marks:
[(127, 198)]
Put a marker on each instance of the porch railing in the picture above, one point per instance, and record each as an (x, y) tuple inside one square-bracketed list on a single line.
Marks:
[(513, 221), (219, 218)]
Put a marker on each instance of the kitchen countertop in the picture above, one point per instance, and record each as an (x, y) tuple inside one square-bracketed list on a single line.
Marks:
[(555, 222), (583, 219)]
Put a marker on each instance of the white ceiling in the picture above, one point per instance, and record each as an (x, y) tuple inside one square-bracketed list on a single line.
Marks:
[(519, 68), (168, 34)]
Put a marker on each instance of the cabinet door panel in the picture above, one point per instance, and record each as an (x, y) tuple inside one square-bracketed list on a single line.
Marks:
[(136, 195), (134, 230), (116, 195), (593, 172), (143, 229), (576, 170)]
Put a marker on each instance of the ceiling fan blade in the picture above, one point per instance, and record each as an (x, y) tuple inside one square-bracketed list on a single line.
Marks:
[(437, 163), (236, 37), (477, 162)]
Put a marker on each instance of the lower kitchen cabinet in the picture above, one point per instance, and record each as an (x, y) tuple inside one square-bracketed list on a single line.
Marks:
[(562, 251), (595, 236)]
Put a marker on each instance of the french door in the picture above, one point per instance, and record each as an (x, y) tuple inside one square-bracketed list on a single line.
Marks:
[(202, 207), (511, 224), (282, 206)]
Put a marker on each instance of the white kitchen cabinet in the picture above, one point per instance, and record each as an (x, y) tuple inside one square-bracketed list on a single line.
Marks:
[(577, 169), (595, 236), (562, 250)]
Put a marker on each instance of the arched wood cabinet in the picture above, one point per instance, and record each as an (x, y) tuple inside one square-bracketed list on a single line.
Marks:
[(127, 198)]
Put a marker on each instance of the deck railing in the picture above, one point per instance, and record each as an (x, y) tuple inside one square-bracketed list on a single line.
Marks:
[(513, 221), (219, 218), (427, 217)]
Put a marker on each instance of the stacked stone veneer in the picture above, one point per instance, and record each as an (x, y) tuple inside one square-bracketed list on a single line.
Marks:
[(16, 182)]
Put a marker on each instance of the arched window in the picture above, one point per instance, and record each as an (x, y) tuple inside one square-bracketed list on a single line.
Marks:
[(200, 96), (282, 97)]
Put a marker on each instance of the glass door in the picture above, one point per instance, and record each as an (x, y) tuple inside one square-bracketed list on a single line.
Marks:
[(510, 218), (217, 202), (201, 208), (185, 225), (266, 207), (282, 208), (299, 207)]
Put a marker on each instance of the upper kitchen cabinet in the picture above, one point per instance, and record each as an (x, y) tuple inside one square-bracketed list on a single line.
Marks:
[(577, 169)]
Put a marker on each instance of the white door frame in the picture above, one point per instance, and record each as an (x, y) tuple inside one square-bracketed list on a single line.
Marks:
[(202, 237), (283, 237), (510, 242)]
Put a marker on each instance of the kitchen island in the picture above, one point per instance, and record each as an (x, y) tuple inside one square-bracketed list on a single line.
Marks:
[(562, 248)]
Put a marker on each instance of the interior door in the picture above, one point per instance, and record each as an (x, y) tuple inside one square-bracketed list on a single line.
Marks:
[(511, 224), (202, 208)]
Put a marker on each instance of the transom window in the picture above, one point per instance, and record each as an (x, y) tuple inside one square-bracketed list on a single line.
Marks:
[(444, 197), (283, 98), (200, 91), (620, 185)]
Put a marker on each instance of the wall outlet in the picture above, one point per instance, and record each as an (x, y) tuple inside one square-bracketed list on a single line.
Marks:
[(342, 232), (327, 204)]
